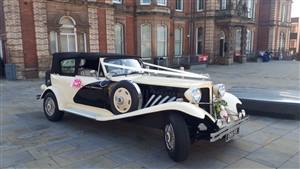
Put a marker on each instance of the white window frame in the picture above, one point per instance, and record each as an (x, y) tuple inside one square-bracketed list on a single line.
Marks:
[(145, 3), (70, 34), (197, 40), (122, 37), (162, 4), (150, 40), (165, 41), (199, 10), (117, 1), (181, 5), (181, 42)]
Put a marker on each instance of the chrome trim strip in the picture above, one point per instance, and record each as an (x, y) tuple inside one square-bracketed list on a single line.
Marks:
[(164, 99), (149, 101), (156, 100)]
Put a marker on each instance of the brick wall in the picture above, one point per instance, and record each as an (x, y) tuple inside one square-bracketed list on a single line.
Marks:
[(102, 30), (29, 41)]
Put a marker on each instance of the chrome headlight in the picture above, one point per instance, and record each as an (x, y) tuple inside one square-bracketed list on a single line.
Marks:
[(194, 95), (219, 90)]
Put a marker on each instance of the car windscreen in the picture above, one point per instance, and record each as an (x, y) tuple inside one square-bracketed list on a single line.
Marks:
[(127, 62)]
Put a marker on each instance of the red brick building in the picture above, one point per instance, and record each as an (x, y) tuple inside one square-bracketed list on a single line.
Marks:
[(295, 36), (274, 26), (176, 30)]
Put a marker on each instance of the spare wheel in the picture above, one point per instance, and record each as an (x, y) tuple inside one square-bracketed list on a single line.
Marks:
[(125, 97)]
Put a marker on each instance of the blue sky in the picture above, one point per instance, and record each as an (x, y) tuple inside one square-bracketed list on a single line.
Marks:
[(296, 8)]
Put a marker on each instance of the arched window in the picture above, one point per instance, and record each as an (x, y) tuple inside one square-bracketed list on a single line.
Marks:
[(119, 38), (282, 41), (68, 41), (146, 41), (199, 47), (222, 46), (162, 35), (178, 41)]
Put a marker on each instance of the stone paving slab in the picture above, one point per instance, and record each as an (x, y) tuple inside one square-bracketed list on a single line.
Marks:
[(28, 140)]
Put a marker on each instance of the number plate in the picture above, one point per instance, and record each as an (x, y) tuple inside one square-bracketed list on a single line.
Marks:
[(231, 135)]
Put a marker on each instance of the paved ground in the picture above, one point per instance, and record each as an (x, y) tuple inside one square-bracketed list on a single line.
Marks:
[(274, 75), (28, 140)]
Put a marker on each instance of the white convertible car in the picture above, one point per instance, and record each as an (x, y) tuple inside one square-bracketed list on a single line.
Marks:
[(105, 87)]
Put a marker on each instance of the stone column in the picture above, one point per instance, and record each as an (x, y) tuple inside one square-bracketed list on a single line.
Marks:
[(93, 31), (14, 41), (41, 34), (110, 31), (243, 44), (231, 45)]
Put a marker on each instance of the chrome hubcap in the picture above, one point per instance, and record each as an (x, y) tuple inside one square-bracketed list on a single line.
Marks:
[(122, 100), (169, 137), (50, 106)]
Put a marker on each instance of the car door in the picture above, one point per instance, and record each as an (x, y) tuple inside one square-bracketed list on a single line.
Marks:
[(94, 89), (63, 82)]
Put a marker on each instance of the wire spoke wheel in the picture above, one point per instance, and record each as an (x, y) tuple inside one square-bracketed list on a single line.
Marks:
[(50, 106), (122, 100), (169, 137)]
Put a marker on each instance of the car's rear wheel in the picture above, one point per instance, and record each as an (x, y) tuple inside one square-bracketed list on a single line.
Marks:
[(51, 110), (176, 137)]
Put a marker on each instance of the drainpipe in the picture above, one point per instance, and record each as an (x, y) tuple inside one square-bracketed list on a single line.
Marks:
[(191, 29), (205, 16)]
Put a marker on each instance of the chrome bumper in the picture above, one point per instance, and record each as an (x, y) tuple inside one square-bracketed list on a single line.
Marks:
[(228, 129)]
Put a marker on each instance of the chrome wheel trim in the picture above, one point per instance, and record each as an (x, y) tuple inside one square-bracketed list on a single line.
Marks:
[(169, 137), (122, 100), (50, 106)]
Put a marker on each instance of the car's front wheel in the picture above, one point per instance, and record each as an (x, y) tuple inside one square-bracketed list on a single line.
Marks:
[(51, 110), (176, 137)]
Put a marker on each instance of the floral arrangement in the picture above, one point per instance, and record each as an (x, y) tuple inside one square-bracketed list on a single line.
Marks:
[(219, 109)]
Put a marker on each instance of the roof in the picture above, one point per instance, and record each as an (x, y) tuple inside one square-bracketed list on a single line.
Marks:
[(58, 57), (90, 55)]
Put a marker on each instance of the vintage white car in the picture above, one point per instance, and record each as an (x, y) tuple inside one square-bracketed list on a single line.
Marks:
[(105, 87)]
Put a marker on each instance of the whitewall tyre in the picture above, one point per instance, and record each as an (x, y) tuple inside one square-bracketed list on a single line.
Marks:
[(51, 110), (177, 137)]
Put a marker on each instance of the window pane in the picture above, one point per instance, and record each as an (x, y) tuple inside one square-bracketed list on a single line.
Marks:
[(162, 2), (64, 43), (81, 42), (53, 42), (179, 4), (199, 41), (119, 38), (67, 21), (72, 44), (238, 39), (178, 42), (200, 4), (1, 50), (68, 66), (146, 41), (145, 1), (161, 41)]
